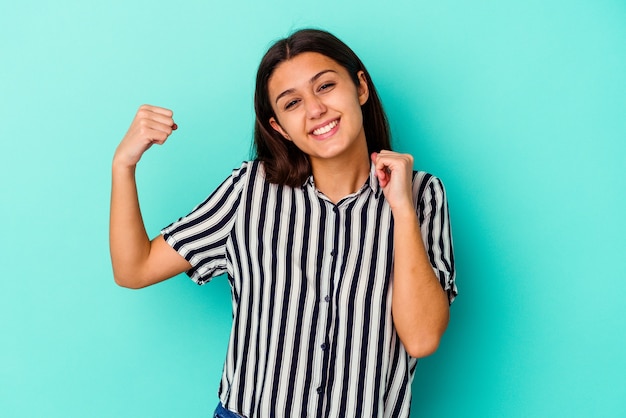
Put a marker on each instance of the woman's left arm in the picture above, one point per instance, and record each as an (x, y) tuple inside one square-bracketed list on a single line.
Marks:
[(420, 306)]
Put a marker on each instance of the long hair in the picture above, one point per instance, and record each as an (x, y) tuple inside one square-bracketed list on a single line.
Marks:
[(284, 162)]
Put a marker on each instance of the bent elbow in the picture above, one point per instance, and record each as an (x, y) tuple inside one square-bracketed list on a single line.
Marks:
[(129, 282), (423, 347)]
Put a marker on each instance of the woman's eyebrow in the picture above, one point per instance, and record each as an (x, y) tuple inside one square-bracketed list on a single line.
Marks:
[(311, 81)]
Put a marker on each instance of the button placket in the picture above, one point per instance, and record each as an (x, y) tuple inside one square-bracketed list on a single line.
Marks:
[(326, 289)]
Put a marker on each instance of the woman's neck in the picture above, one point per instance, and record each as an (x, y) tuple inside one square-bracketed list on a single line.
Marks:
[(338, 178)]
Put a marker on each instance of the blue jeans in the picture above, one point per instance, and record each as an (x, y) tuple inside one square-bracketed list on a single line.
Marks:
[(221, 412)]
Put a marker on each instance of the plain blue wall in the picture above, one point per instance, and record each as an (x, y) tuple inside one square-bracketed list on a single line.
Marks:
[(518, 105)]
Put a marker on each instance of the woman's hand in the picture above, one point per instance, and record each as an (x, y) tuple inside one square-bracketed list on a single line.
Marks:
[(152, 125), (395, 176)]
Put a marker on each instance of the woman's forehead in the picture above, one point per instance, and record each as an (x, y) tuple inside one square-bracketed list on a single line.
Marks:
[(300, 71)]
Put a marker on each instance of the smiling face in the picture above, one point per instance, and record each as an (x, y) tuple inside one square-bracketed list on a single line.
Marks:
[(318, 107)]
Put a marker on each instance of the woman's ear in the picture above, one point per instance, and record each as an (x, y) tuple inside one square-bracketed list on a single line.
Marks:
[(274, 124), (363, 88)]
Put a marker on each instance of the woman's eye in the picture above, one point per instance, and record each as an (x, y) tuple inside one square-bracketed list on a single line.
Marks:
[(326, 86), (291, 104)]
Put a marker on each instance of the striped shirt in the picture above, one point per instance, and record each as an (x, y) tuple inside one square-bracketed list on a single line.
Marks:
[(311, 281)]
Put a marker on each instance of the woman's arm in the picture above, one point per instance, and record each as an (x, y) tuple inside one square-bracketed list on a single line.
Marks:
[(137, 261), (420, 306)]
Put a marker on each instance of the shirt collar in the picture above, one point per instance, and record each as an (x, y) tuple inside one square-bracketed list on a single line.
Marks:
[(371, 182)]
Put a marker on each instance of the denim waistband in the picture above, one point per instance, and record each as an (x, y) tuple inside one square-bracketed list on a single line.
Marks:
[(221, 412)]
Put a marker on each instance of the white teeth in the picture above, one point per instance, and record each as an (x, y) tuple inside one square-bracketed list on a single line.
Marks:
[(324, 129)]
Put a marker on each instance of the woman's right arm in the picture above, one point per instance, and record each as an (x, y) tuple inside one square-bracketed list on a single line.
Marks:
[(137, 261)]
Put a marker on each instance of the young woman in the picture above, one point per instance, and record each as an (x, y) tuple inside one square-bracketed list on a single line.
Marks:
[(338, 254)]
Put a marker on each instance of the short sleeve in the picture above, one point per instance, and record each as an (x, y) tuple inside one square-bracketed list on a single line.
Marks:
[(434, 218), (202, 235)]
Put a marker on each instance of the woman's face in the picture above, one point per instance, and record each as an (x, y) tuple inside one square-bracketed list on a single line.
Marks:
[(318, 107)]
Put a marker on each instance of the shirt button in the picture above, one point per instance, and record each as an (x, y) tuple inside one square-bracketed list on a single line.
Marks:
[(333, 253), (324, 346), (327, 298), (319, 391)]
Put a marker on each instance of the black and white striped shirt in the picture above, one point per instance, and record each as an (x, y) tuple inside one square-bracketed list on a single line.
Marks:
[(312, 332)]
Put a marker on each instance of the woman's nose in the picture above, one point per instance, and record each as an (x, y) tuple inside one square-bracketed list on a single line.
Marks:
[(314, 107)]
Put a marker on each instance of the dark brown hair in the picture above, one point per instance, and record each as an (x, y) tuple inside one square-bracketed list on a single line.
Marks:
[(284, 162)]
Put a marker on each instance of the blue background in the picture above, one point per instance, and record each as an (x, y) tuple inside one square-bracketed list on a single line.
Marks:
[(519, 106)]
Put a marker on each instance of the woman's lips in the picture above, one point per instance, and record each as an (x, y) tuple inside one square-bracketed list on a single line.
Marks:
[(326, 130)]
